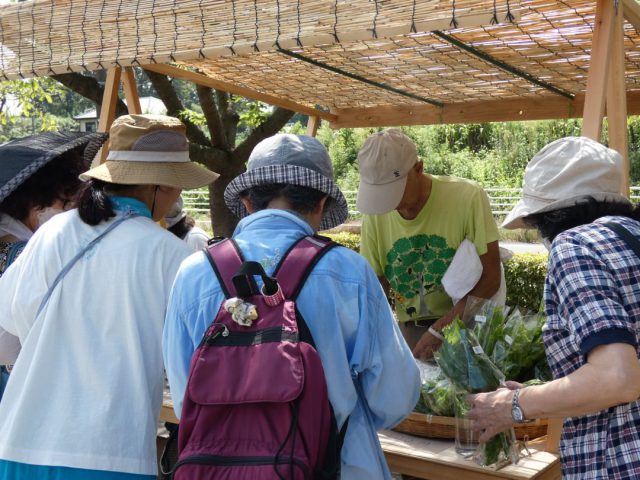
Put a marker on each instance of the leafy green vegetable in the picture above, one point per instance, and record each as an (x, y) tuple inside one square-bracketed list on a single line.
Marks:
[(465, 364), (438, 396), (520, 353)]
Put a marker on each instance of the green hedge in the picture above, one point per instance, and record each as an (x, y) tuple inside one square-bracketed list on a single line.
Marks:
[(524, 273), (349, 240)]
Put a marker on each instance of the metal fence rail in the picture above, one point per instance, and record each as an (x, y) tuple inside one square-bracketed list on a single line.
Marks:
[(502, 200)]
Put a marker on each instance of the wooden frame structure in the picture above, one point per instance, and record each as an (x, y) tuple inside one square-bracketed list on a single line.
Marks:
[(611, 85)]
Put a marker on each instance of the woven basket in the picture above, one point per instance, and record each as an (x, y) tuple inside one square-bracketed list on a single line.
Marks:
[(432, 426)]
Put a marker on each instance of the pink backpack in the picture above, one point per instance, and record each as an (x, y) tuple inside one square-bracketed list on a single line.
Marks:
[(256, 404)]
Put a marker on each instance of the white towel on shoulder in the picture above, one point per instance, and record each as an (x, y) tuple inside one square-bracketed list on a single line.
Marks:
[(464, 272)]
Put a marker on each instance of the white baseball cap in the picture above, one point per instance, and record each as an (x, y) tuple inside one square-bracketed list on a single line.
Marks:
[(565, 172), (385, 159)]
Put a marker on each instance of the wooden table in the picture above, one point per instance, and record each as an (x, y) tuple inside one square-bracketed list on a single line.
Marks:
[(437, 460), (433, 459)]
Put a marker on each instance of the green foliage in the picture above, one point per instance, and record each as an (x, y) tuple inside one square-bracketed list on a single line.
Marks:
[(27, 99), (197, 118), (296, 128), (493, 154), (251, 113), (525, 275), (349, 240)]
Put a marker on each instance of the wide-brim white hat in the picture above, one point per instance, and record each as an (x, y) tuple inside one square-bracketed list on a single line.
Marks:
[(565, 172)]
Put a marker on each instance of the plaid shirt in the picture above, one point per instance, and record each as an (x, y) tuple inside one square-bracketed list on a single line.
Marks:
[(592, 298)]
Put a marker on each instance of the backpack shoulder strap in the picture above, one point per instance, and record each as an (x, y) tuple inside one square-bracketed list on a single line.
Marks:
[(631, 240), (298, 262), (225, 259)]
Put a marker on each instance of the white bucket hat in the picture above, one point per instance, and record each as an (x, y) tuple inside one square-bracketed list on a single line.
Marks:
[(385, 160), (290, 159), (565, 172)]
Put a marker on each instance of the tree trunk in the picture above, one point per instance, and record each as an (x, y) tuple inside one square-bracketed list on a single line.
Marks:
[(89, 88), (217, 156), (223, 220)]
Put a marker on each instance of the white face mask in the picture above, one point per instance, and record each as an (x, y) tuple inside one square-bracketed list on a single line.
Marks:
[(547, 243), (47, 213)]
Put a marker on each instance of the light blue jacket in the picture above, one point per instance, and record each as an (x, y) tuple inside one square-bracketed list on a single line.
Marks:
[(350, 321)]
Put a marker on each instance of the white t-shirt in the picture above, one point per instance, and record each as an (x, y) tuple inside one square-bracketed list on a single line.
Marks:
[(86, 389), (196, 238)]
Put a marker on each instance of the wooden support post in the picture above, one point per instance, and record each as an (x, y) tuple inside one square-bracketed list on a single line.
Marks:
[(617, 95), (554, 430), (312, 125), (597, 79), (108, 110), (131, 91)]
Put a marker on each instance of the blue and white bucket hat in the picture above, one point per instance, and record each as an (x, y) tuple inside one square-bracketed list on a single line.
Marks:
[(295, 160)]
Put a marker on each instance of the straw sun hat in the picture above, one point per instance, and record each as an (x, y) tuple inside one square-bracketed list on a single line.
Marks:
[(295, 160), (150, 150)]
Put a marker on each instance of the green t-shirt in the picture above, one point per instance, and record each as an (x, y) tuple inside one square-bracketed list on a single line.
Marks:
[(414, 254)]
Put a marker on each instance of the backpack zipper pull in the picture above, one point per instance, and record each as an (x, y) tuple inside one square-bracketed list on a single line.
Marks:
[(224, 331)]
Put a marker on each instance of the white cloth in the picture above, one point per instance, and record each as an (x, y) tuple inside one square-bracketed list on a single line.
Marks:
[(196, 238), (86, 389), (11, 226), (464, 272)]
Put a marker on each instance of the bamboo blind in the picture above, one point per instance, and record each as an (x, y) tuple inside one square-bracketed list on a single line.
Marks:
[(43, 37), (327, 55), (551, 42)]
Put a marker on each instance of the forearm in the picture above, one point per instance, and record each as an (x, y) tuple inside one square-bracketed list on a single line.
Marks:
[(385, 285), (593, 387)]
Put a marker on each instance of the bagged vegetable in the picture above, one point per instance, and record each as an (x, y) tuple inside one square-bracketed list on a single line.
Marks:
[(464, 362)]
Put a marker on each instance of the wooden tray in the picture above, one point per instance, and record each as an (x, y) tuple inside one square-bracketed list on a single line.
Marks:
[(433, 426)]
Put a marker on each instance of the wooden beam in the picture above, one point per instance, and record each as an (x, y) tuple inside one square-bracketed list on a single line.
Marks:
[(545, 107), (131, 91), (312, 125), (235, 89), (597, 77), (108, 109), (616, 96), (631, 9)]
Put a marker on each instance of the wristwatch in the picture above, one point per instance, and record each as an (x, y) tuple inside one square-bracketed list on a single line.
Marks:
[(516, 411)]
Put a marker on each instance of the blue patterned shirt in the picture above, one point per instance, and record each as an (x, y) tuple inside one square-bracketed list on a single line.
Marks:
[(349, 319), (592, 298)]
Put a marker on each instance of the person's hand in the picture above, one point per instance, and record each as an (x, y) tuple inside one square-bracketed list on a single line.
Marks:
[(426, 346), (492, 411)]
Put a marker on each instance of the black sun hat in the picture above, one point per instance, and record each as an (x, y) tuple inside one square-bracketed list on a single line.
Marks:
[(21, 158)]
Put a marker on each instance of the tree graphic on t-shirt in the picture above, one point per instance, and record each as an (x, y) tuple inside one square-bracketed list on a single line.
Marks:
[(415, 267)]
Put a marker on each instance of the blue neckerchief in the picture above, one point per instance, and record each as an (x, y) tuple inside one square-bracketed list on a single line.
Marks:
[(124, 204)]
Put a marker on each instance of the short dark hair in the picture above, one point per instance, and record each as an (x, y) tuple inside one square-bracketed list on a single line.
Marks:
[(58, 178), (552, 223), (302, 199)]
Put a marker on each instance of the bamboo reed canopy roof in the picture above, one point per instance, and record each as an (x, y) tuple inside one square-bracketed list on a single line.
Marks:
[(356, 62)]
